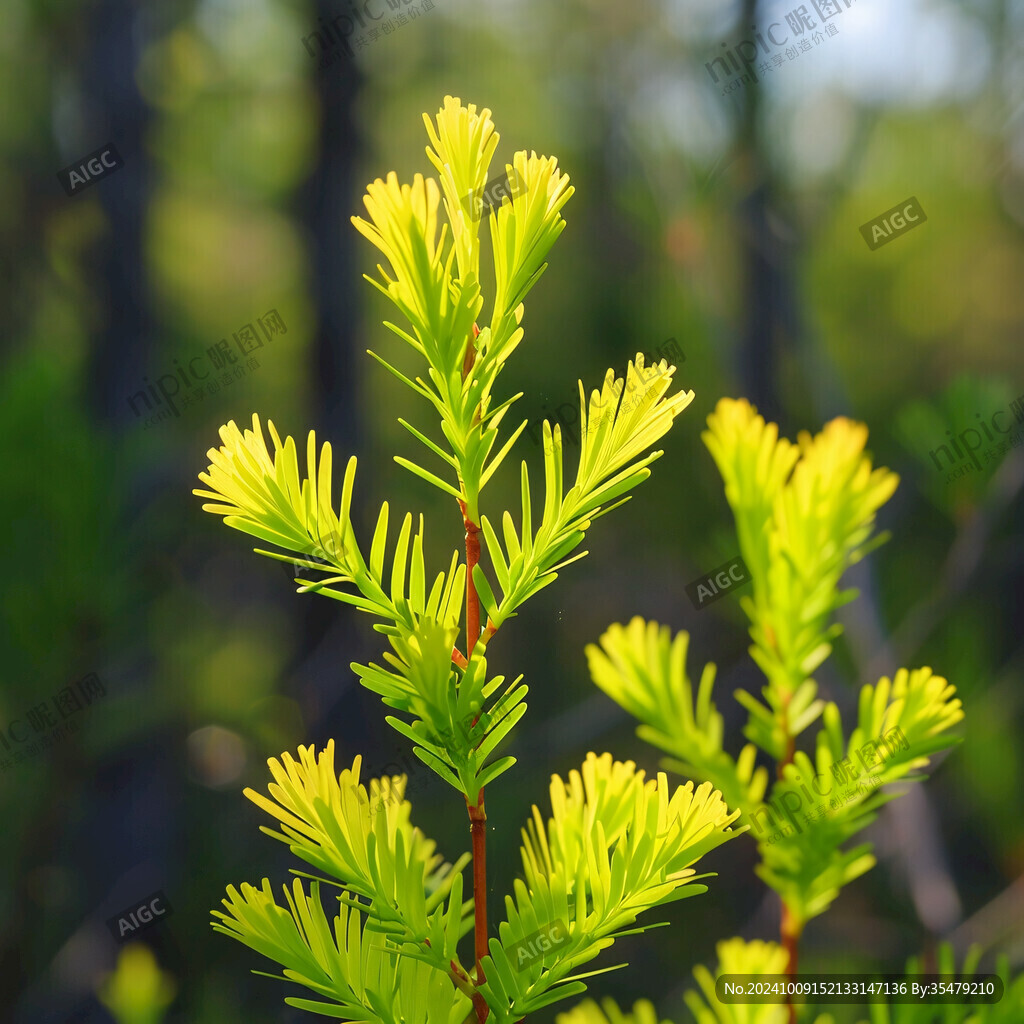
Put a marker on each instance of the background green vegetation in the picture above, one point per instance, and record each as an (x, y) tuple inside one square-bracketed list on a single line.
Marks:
[(727, 222)]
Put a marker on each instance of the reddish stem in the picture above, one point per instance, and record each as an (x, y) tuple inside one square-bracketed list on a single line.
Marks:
[(478, 831), (472, 599), (477, 815), (788, 758), (789, 931)]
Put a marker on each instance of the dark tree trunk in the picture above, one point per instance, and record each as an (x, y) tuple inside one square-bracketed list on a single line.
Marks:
[(329, 199)]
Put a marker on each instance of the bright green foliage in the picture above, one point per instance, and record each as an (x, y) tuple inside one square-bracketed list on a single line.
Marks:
[(588, 1012), (452, 733), (642, 668), (440, 296), (738, 957), (614, 847), (735, 956), (617, 845), (803, 514), (389, 875), (609, 445), (366, 842), (807, 867), (261, 492), (624, 844), (350, 968)]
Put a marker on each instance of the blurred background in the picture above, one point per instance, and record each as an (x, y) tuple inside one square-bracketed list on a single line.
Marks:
[(152, 663)]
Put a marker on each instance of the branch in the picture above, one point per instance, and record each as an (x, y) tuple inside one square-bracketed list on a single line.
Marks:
[(789, 931), (478, 830), (472, 599)]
